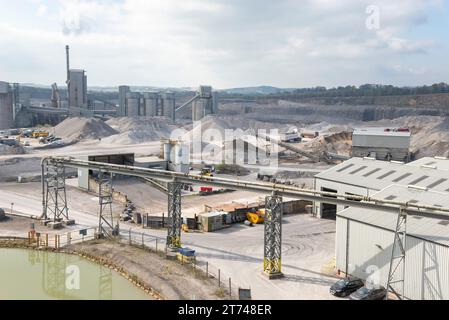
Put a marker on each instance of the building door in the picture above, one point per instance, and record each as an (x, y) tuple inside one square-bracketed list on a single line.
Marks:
[(328, 210)]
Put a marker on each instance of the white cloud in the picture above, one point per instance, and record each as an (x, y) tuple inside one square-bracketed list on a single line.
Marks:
[(409, 71), (41, 10), (225, 43)]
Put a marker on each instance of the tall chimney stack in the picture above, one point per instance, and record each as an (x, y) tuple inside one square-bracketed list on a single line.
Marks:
[(67, 49), (67, 56)]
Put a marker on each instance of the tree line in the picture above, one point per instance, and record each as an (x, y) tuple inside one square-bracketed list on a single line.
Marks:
[(370, 90)]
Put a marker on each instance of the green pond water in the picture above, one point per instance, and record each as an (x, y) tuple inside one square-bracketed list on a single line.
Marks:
[(32, 275)]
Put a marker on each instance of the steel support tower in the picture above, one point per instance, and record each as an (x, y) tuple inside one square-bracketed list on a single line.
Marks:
[(105, 221), (55, 204), (174, 215), (273, 237), (396, 274)]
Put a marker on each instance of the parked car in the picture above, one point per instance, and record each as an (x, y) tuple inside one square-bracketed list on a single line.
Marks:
[(365, 293), (27, 133), (344, 287)]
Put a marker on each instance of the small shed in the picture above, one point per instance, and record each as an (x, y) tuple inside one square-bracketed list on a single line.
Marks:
[(211, 221)]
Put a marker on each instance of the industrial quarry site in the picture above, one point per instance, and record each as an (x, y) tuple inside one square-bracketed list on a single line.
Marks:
[(255, 193)]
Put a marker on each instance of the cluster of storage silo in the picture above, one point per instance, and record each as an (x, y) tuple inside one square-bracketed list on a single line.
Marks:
[(207, 103), (133, 104), (148, 104), (177, 155), (77, 86), (151, 104), (6, 106), (168, 105)]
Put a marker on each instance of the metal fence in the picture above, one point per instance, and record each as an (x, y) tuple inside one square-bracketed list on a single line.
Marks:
[(77, 236), (60, 240), (226, 288)]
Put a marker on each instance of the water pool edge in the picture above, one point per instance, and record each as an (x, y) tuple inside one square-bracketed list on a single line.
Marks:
[(22, 243)]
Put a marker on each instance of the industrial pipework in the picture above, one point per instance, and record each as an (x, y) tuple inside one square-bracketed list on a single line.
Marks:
[(282, 190)]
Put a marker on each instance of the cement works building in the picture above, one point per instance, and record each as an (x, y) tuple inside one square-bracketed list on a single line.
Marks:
[(364, 237), (367, 176), (382, 143)]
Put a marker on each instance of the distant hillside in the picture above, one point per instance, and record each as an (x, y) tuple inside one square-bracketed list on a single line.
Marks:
[(62, 86), (435, 101), (140, 89), (260, 90)]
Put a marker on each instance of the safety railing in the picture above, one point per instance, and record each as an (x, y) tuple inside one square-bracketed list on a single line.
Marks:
[(61, 240), (226, 288)]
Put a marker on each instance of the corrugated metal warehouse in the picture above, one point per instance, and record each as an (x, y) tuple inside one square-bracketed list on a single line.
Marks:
[(364, 241), (381, 144), (367, 176)]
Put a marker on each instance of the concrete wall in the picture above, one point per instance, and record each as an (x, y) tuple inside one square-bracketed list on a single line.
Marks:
[(295, 206)]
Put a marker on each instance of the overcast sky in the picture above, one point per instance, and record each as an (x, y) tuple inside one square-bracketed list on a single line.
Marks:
[(226, 43)]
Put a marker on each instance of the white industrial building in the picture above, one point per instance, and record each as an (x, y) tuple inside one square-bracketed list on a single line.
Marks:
[(439, 163), (367, 176), (381, 143), (364, 241), (364, 237)]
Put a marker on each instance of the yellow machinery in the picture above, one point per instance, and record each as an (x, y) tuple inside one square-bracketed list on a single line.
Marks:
[(39, 134), (186, 255), (184, 258), (256, 217), (206, 172)]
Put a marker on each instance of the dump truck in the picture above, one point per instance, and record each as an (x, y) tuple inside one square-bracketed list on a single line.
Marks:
[(256, 217)]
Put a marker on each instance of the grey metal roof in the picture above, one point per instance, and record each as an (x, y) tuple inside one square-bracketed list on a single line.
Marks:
[(440, 163), (377, 175), (376, 131), (426, 228)]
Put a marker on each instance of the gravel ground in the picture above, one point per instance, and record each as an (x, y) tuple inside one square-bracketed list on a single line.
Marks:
[(171, 279), (15, 226)]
